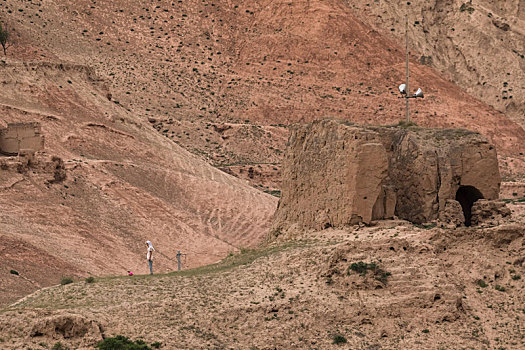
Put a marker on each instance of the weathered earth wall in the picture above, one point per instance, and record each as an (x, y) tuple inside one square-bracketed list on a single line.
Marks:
[(21, 136), (336, 173)]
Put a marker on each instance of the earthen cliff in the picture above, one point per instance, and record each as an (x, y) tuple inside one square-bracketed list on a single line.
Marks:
[(336, 173)]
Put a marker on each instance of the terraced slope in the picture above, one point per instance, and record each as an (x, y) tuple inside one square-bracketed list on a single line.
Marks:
[(104, 184)]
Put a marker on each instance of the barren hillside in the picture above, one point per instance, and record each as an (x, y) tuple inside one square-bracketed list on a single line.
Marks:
[(120, 86), (478, 44), (392, 286), (223, 79), (105, 183)]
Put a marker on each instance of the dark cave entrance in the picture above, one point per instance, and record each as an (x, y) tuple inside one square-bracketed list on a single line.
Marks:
[(466, 196)]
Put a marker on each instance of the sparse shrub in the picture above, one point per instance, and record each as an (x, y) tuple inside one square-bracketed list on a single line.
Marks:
[(516, 277), (156, 345), (276, 232), (499, 288), (90, 279), (383, 276), (66, 280), (466, 7), (405, 124), (362, 268), (14, 272), (4, 39), (339, 339), (59, 346), (481, 283), (425, 331), (121, 342), (426, 226)]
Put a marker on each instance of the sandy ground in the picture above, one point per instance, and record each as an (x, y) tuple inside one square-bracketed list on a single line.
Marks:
[(436, 289)]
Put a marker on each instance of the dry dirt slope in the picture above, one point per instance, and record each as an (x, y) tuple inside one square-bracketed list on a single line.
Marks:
[(124, 184), (195, 68), (198, 67), (436, 289), (478, 44)]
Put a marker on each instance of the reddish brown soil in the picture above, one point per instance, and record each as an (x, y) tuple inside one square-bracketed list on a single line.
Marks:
[(125, 183), (436, 289), (478, 44), (263, 63), (105, 77)]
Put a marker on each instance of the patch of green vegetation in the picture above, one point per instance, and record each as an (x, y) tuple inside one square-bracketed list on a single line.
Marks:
[(425, 331), (247, 256), (514, 200), (382, 276), (406, 124), (427, 226), (14, 272), (499, 288), (59, 346), (121, 342), (338, 339), (362, 268), (275, 193), (66, 280), (90, 279), (481, 283), (467, 7)]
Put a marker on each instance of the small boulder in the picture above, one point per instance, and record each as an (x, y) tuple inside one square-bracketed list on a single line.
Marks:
[(452, 215), (489, 212), (66, 326)]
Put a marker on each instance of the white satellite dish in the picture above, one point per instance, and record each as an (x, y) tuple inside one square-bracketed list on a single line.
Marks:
[(419, 93), (403, 89)]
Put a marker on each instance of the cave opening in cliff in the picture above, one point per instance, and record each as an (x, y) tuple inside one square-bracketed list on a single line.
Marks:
[(466, 196)]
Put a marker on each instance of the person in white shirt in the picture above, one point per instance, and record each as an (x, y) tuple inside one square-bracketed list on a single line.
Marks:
[(149, 256)]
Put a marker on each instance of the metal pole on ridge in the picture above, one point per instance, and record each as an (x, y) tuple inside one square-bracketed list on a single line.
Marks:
[(407, 71), (179, 264), (404, 89)]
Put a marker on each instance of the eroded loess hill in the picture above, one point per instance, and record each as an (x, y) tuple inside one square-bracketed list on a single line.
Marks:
[(478, 44), (104, 184), (221, 78)]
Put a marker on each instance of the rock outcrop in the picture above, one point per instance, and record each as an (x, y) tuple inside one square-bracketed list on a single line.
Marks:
[(336, 173), (67, 326), (490, 213), (452, 215)]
